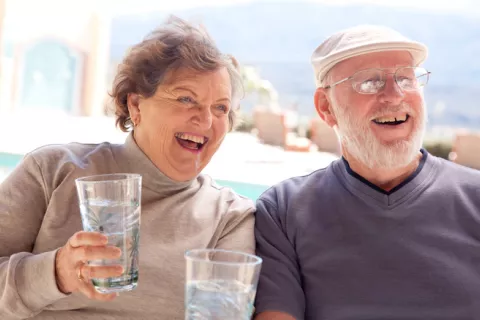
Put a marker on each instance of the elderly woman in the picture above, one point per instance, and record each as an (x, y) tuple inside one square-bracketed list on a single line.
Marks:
[(177, 94)]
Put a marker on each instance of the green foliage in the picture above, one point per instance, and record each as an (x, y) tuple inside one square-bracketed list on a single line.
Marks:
[(438, 147), (245, 123)]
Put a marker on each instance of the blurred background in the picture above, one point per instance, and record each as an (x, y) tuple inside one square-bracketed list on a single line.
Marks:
[(58, 59)]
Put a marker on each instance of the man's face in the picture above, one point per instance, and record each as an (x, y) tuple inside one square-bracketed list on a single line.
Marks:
[(381, 130)]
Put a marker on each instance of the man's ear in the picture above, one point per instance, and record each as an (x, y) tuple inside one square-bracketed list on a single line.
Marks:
[(323, 107), (133, 101)]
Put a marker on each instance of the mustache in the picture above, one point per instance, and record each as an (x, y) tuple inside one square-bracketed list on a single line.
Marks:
[(389, 109)]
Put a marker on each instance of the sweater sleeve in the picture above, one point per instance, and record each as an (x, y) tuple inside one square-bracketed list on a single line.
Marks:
[(27, 280), (238, 234)]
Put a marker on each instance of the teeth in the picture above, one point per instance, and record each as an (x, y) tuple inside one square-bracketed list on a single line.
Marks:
[(391, 119), (190, 137)]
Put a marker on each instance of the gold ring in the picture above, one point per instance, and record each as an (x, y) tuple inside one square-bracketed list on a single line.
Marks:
[(79, 272)]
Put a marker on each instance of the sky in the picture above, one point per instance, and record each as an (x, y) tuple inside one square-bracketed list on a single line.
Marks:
[(116, 7), (39, 11)]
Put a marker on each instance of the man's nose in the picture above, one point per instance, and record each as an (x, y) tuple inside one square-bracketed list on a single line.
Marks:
[(391, 93)]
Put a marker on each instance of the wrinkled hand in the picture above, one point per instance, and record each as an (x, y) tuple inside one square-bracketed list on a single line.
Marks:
[(71, 259)]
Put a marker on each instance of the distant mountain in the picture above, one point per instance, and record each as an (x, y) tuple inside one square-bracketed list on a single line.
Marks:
[(279, 38)]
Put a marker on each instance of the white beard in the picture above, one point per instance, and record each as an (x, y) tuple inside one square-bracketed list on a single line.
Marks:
[(361, 143)]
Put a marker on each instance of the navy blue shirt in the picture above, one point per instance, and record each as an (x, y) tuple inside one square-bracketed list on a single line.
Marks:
[(336, 247)]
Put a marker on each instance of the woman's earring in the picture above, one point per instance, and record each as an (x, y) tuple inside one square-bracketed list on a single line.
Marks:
[(133, 122)]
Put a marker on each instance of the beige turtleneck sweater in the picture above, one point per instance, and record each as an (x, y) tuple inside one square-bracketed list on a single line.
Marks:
[(39, 211)]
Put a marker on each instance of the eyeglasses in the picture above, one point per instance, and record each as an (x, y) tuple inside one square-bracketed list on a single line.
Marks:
[(372, 81)]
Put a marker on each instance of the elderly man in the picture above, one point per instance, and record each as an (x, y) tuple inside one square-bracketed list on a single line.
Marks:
[(386, 232)]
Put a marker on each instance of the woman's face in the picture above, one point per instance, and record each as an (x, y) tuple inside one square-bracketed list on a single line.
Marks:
[(183, 124)]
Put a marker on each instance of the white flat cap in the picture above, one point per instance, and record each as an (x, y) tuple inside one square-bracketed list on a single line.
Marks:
[(360, 40)]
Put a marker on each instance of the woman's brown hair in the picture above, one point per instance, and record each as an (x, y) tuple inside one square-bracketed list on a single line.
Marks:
[(175, 44)]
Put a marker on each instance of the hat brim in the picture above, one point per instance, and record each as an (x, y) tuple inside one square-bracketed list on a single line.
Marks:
[(418, 51)]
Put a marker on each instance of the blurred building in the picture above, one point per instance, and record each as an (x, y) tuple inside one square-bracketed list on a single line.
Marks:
[(54, 62)]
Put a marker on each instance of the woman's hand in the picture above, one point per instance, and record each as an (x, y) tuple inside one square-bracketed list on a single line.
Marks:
[(72, 271)]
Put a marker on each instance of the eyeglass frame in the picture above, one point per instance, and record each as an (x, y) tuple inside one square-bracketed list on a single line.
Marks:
[(386, 73)]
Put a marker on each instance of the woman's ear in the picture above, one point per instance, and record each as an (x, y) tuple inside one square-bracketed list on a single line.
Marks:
[(323, 107), (133, 101)]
